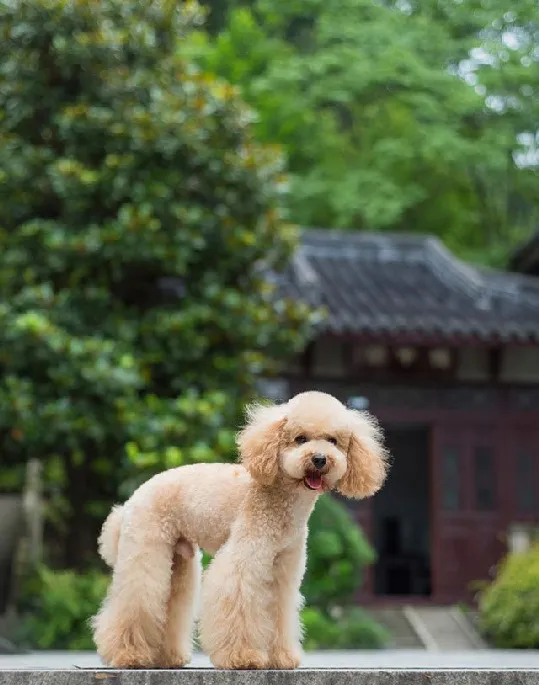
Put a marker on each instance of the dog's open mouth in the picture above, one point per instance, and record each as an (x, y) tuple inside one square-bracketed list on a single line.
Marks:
[(313, 480)]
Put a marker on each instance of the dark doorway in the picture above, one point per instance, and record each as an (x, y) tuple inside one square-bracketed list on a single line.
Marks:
[(401, 513)]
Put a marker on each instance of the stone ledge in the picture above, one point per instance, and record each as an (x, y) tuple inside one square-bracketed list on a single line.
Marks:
[(330, 676)]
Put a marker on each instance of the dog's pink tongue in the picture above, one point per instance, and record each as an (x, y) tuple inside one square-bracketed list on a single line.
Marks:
[(314, 480)]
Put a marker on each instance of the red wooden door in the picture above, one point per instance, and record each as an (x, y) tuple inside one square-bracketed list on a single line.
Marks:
[(450, 530), (487, 499), (522, 467), (467, 507)]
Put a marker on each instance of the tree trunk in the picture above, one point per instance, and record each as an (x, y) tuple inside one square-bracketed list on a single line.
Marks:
[(76, 540)]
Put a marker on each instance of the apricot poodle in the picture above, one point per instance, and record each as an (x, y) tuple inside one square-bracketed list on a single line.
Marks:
[(253, 518)]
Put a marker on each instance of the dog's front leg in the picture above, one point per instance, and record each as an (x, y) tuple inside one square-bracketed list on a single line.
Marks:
[(235, 621), (289, 569)]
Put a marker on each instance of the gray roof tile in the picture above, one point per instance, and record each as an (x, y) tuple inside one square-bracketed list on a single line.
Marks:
[(381, 283)]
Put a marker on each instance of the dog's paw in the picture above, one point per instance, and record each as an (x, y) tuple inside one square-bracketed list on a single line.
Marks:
[(285, 658), (174, 660), (239, 659), (130, 659)]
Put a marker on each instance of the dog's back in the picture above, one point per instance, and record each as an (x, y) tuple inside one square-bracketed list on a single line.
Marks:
[(206, 500)]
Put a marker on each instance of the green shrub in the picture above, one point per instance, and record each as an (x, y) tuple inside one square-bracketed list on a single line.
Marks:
[(338, 555), (138, 219), (349, 629), (56, 606), (509, 606)]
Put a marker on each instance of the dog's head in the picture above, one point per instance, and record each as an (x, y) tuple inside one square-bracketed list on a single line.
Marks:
[(313, 441)]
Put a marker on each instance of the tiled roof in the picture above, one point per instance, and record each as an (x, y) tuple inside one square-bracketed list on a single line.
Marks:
[(389, 284)]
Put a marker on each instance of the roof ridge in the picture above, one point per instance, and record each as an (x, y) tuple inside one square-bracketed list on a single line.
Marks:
[(486, 281), (509, 284), (363, 236), (478, 283), (306, 276), (464, 275), (336, 243)]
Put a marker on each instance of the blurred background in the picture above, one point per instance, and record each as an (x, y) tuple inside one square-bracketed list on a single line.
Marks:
[(205, 203)]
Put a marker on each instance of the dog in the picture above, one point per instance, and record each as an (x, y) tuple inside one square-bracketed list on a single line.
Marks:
[(253, 518)]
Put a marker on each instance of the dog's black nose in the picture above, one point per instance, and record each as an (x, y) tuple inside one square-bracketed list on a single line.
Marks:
[(319, 461)]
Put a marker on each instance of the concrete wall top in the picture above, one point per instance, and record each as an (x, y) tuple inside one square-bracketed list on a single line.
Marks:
[(300, 677)]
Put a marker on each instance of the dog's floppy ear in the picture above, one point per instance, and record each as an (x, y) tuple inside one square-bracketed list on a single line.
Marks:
[(260, 441), (367, 459)]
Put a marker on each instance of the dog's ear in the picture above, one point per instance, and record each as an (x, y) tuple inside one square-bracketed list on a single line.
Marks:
[(367, 459), (259, 443)]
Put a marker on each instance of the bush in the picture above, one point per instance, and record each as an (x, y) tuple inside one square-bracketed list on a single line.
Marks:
[(138, 220), (509, 606), (349, 629), (55, 608), (338, 555)]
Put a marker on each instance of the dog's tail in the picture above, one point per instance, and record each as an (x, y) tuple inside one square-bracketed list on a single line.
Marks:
[(110, 536)]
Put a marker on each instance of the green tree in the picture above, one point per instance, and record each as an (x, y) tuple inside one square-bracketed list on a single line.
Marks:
[(139, 219), (400, 116)]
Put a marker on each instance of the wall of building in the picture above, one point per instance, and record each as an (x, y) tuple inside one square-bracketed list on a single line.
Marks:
[(331, 360), (472, 364), (328, 358), (520, 365)]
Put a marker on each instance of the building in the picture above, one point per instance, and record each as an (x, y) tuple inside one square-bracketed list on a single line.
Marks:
[(446, 355), (525, 259)]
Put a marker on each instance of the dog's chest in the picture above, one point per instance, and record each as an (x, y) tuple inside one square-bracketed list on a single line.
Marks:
[(295, 519)]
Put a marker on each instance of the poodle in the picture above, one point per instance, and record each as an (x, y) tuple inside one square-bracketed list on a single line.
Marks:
[(253, 518)]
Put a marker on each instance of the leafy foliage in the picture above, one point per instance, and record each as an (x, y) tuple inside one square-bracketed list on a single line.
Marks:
[(509, 606), (56, 605), (403, 116), (338, 555), (138, 219), (352, 628)]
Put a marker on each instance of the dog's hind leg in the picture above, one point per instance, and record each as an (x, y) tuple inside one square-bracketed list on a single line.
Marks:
[(129, 628), (182, 606)]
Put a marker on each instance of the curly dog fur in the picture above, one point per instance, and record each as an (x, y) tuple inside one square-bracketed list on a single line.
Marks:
[(253, 517)]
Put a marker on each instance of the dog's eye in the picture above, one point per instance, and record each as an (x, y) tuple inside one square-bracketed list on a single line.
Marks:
[(301, 439), (332, 440)]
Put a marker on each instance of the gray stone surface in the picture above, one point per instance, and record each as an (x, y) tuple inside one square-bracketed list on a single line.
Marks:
[(300, 677), (385, 660)]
